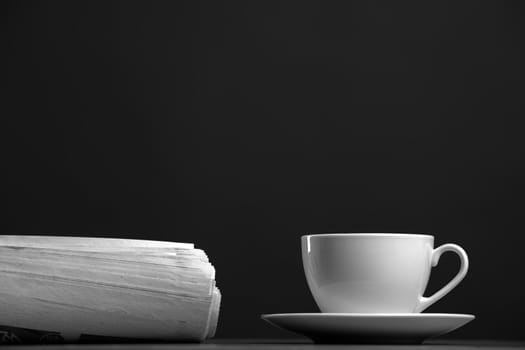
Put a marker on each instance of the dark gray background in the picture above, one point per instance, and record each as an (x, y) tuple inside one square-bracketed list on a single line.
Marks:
[(241, 126)]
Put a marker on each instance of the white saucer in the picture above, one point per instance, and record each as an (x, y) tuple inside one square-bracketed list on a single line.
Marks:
[(369, 328)]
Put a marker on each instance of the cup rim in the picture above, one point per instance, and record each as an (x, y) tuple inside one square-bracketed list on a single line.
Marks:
[(381, 234)]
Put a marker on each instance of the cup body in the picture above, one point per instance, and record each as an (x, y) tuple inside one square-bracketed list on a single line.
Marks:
[(367, 273)]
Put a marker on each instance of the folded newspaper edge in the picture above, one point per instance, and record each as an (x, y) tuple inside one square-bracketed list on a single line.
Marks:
[(85, 289)]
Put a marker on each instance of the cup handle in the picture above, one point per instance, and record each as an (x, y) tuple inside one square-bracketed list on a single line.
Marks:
[(425, 302)]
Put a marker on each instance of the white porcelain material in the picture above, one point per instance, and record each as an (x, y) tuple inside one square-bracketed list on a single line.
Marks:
[(369, 328), (374, 273)]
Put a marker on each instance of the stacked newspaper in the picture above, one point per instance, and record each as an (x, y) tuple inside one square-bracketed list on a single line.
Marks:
[(79, 288)]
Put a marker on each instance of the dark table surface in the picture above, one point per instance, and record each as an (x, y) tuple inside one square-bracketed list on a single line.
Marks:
[(286, 344)]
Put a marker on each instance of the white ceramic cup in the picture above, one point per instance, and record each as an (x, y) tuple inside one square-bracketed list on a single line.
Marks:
[(374, 272)]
